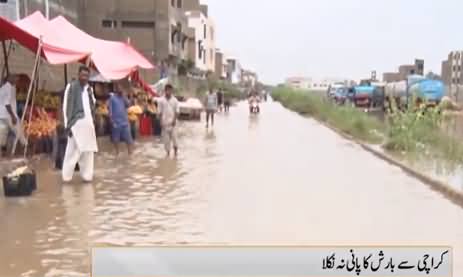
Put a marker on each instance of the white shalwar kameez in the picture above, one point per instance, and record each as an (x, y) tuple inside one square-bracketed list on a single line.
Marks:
[(82, 145)]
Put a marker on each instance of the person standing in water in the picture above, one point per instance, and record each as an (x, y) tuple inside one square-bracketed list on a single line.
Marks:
[(168, 112), (220, 100), (120, 126), (211, 107), (79, 114)]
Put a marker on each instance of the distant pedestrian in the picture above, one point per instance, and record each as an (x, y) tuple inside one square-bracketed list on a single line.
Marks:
[(168, 112), (118, 115), (211, 107), (219, 100), (226, 103)]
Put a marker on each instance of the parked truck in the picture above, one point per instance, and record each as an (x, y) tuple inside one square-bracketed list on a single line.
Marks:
[(416, 88), (369, 95)]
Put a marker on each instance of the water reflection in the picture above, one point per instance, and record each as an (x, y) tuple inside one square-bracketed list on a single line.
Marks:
[(285, 180)]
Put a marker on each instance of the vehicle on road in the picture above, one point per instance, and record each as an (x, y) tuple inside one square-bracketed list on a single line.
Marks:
[(254, 107), (417, 88), (369, 95), (191, 109), (332, 89)]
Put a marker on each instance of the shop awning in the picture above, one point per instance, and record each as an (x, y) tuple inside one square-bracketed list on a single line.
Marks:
[(28, 33), (62, 43), (114, 60)]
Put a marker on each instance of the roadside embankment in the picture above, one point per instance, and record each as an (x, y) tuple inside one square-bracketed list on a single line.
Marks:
[(414, 133)]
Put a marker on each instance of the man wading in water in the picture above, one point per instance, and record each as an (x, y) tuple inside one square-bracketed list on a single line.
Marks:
[(168, 111), (78, 113), (211, 107)]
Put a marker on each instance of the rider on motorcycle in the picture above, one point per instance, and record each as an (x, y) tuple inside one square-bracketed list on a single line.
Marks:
[(254, 102)]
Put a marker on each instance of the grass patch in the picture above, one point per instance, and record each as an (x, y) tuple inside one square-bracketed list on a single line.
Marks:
[(419, 131), (415, 132), (347, 119)]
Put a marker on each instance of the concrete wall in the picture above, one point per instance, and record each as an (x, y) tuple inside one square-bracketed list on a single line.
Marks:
[(21, 60), (204, 29), (391, 77), (210, 44), (219, 65)]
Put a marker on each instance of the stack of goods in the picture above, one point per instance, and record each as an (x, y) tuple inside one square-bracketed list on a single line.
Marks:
[(20, 182), (47, 100), (102, 120), (134, 113), (41, 130)]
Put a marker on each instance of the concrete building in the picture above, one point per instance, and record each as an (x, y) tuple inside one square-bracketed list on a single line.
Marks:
[(313, 84), (391, 77), (16, 9), (404, 71), (249, 79), (220, 65), (158, 29), (446, 72), (298, 82), (21, 60), (204, 52), (234, 71), (452, 69)]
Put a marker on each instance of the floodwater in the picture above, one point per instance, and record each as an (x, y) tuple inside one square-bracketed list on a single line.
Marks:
[(273, 179)]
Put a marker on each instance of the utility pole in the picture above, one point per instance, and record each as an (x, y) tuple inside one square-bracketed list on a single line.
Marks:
[(18, 9), (47, 9)]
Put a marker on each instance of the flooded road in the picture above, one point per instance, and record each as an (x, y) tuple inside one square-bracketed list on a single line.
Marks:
[(273, 179)]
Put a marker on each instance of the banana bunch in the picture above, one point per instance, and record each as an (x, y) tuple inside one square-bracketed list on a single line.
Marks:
[(102, 109), (47, 100)]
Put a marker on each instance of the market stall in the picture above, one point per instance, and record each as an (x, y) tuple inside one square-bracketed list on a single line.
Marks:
[(40, 108)]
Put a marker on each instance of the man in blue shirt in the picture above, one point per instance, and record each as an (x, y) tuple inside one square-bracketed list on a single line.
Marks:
[(120, 127)]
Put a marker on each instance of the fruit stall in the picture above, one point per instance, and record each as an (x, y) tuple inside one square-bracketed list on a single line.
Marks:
[(40, 126)]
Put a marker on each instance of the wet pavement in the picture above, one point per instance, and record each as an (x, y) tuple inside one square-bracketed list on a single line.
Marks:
[(273, 179)]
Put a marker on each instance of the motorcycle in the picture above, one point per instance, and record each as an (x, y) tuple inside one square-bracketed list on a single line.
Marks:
[(254, 107)]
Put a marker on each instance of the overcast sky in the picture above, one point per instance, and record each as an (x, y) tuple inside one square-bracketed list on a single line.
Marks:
[(336, 38)]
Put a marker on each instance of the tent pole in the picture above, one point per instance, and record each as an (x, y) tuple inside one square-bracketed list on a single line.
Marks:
[(36, 88), (34, 72), (65, 75), (5, 57)]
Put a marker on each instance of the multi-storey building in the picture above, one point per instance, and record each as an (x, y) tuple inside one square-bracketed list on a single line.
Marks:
[(204, 52), (234, 71), (157, 28), (249, 79), (220, 65), (404, 71), (452, 68)]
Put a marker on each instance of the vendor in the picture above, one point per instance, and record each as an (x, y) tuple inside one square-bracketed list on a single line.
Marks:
[(152, 109), (134, 113)]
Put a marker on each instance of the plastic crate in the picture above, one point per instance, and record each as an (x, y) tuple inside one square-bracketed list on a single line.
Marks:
[(22, 185)]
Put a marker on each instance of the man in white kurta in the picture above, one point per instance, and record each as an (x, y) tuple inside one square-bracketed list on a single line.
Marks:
[(82, 142)]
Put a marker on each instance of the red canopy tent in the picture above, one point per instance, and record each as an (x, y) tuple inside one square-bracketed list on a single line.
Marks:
[(59, 42), (114, 60)]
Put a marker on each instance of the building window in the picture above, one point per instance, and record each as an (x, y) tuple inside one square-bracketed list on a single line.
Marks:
[(211, 55), (107, 23), (179, 4), (3, 1), (172, 2), (205, 31), (138, 24), (211, 31), (200, 50)]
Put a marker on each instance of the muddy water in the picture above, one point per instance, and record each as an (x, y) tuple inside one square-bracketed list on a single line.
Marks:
[(273, 179)]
